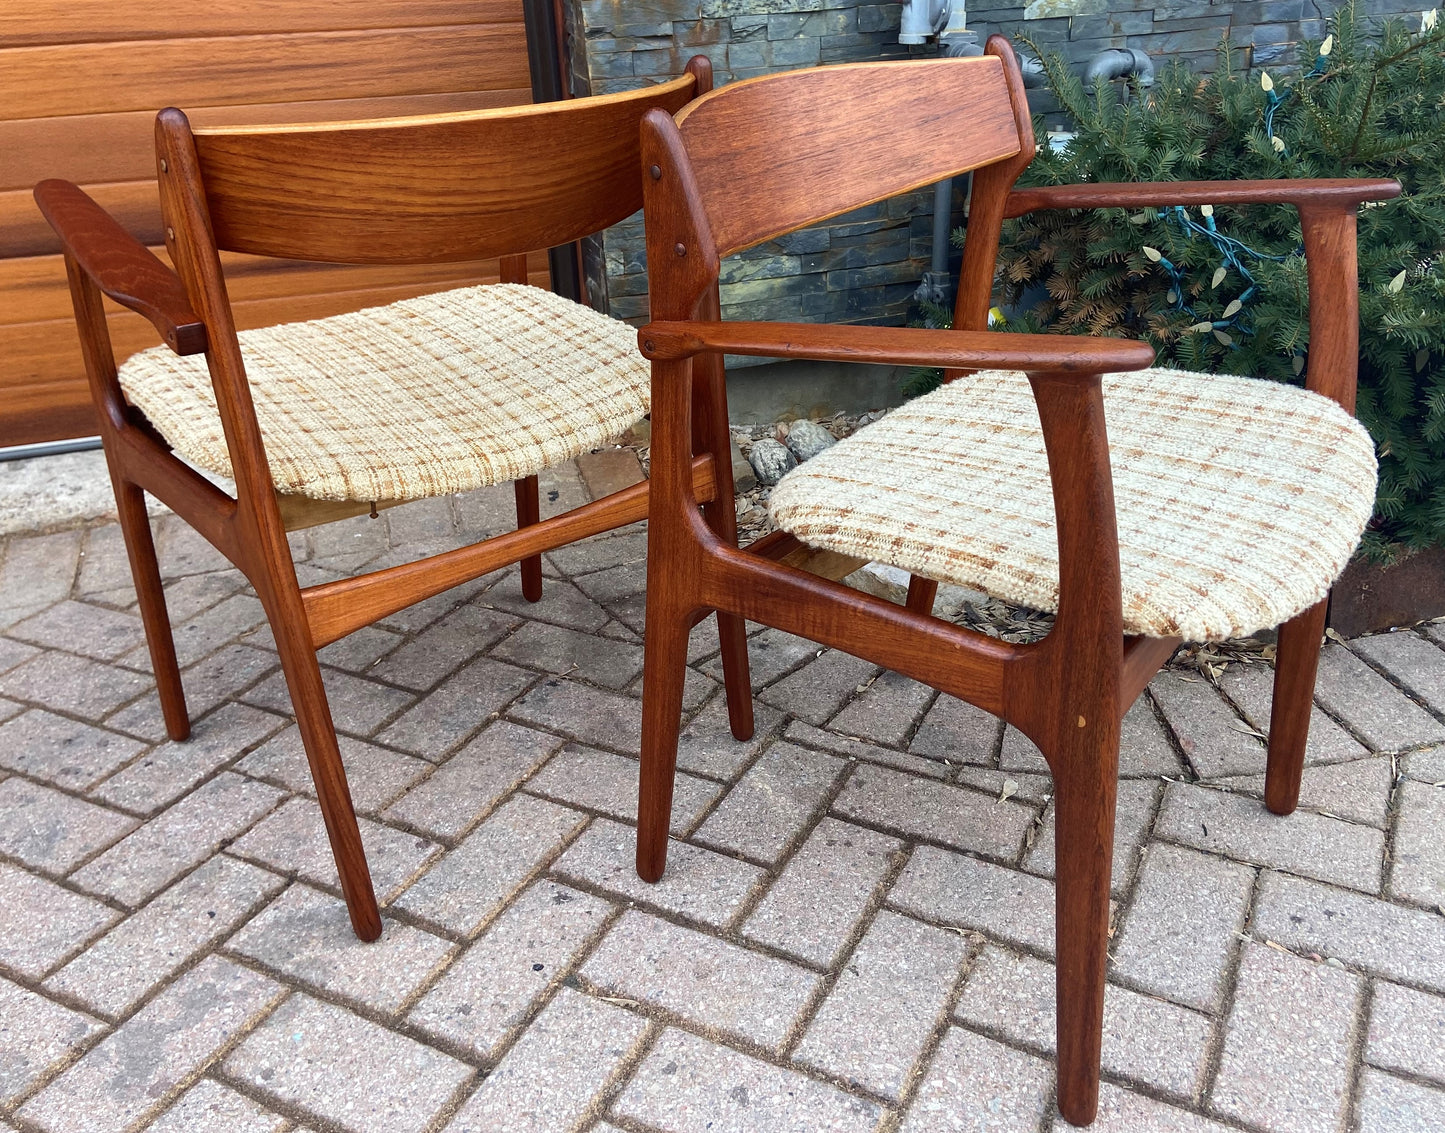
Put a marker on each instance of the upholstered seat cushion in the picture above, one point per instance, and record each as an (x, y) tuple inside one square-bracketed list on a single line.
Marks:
[(423, 397), (1238, 501)]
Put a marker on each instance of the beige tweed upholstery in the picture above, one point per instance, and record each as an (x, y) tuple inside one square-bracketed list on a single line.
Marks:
[(423, 397), (1238, 501)]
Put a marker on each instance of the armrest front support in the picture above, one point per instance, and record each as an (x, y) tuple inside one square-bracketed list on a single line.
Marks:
[(122, 267), (1329, 192), (901, 346)]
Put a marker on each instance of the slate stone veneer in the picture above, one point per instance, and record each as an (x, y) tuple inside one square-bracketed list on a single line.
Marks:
[(864, 267)]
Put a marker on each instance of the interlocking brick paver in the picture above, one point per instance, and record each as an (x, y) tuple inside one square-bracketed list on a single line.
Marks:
[(621, 581), (487, 994), (886, 712), (1210, 734), (1380, 713), (771, 804), (956, 731), (82, 628), (851, 747), (456, 708), (76, 685), (121, 968), (207, 683), (601, 552), (820, 687), (206, 632), (444, 647), (1285, 1063), (345, 1069), (148, 859), (306, 935), (1144, 747), (1019, 753), (556, 649), (1251, 687), (1145, 1039), (471, 782), (874, 1024), (1123, 1112), (1411, 660), (357, 705), (1395, 942), (562, 603), (64, 752), (1417, 872), (186, 597), (584, 713), (599, 780), (209, 1107), (36, 571), (40, 923), (360, 650), (974, 1083), (375, 775), (1309, 844), (938, 812), (1425, 766), (811, 910), (1407, 1031), (465, 888), (1392, 1105), (553, 1077), (1358, 790), (708, 747), (770, 654), (155, 1051), (966, 893), (35, 1034), (182, 549), (1183, 924), (293, 840), (170, 770), (698, 884), (1134, 807), (709, 981), (689, 1085), (54, 832), (13, 653)]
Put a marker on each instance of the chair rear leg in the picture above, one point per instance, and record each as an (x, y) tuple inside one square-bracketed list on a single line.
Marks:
[(664, 668), (318, 736), (1084, 832), (921, 593), (1297, 659), (529, 511), (140, 548)]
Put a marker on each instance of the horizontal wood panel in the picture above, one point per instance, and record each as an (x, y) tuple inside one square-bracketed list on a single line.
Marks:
[(93, 148), (34, 289), (39, 82), (46, 412), (25, 232), (32, 23)]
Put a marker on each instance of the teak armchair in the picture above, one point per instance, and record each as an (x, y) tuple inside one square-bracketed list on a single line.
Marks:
[(1226, 504), (424, 397)]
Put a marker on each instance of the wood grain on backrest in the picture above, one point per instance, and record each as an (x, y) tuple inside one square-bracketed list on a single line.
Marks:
[(776, 153), (432, 189)]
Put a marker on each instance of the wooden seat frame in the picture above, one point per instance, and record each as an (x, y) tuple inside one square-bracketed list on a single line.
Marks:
[(443, 188), (764, 157)]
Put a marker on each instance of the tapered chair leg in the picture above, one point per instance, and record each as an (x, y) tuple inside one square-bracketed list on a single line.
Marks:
[(318, 736), (529, 511), (145, 571), (737, 681), (1084, 831), (1296, 661), (921, 593), (664, 668)]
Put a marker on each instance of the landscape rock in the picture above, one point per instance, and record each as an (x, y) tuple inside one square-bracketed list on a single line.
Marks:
[(770, 460), (806, 439)]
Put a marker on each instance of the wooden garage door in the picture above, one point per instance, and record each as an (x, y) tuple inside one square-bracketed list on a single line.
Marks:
[(80, 82)]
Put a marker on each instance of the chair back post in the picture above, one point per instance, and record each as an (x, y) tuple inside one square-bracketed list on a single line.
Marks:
[(1333, 271), (991, 186), (192, 249)]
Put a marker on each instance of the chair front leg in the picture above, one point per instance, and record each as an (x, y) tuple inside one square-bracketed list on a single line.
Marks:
[(1296, 661), (529, 511)]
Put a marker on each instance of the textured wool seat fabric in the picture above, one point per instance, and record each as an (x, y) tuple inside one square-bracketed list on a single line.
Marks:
[(423, 397), (1238, 501)]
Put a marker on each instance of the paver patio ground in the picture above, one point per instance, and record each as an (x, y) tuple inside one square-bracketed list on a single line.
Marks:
[(855, 932)]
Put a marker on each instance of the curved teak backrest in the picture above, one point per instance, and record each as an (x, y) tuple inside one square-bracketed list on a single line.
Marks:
[(779, 152), (431, 189)]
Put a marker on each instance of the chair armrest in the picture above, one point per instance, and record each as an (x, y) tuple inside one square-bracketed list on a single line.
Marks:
[(122, 267), (903, 346), (1331, 192)]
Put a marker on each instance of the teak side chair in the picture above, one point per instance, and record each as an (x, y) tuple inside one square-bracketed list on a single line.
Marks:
[(1226, 505), (424, 397)]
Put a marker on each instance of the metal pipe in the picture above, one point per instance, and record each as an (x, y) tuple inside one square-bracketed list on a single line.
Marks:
[(1118, 63), (49, 448)]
